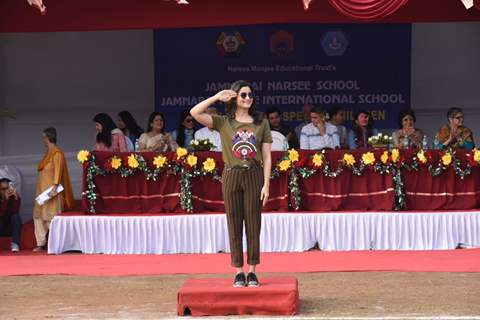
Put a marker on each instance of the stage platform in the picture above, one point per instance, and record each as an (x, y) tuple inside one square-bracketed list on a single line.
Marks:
[(281, 232), (217, 297)]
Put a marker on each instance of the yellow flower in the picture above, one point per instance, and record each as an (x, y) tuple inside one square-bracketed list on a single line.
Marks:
[(284, 165), (82, 156), (132, 161), (447, 159), (384, 157), (116, 163), (421, 156), (159, 161), (317, 160), (293, 155), (349, 159), (181, 152), (192, 160), (476, 155), (368, 158), (209, 165), (395, 155)]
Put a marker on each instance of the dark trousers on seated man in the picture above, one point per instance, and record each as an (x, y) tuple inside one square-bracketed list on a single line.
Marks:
[(10, 221), (11, 226)]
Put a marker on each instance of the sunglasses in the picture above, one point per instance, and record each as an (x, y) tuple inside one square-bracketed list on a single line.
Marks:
[(4, 189), (188, 120), (244, 95)]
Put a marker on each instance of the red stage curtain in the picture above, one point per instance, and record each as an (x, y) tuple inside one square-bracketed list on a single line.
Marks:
[(367, 10)]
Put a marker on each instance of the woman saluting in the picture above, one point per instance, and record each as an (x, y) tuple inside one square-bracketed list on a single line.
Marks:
[(246, 143)]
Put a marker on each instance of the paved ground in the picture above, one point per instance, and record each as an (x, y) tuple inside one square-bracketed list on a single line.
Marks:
[(376, 294)]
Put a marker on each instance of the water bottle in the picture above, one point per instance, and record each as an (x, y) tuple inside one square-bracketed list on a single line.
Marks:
[(137, 146), (424, 142), (406, 142), (436, 143)]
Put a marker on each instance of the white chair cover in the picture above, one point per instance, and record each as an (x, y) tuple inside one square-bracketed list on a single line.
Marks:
[(280, 142)]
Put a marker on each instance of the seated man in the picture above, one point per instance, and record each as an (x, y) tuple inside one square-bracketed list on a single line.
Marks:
[(275, 120), (319, 134), (337, 116), (211, 134), (10, 221)]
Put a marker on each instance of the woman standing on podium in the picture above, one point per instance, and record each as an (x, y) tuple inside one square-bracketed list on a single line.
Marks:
[(246, 144)]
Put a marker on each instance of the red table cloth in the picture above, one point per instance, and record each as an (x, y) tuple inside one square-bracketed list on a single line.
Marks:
[(369, 191)]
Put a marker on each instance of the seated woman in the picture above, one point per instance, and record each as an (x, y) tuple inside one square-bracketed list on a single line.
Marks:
[(109, 137), (127, 123), (407, 136), (362, 130), (454, 134), (156, 139), (185, 132)]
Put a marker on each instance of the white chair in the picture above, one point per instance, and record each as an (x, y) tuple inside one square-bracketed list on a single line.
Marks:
[(280, 142)]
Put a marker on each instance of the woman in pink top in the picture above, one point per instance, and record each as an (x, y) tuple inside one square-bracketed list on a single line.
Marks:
[(109, 137)]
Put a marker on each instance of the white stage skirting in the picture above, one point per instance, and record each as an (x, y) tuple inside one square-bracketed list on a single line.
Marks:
[(281, 232)]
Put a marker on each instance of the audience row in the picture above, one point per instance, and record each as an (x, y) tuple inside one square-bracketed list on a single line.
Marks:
[(319, 130)]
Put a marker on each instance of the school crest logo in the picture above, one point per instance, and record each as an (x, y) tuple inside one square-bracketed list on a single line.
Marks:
[(230, 43), (281, 43), (244, 144)]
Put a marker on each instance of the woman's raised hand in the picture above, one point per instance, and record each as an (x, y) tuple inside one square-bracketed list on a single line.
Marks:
[(225, 95)]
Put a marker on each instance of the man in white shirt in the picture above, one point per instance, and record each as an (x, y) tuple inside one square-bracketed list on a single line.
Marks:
[(306, 119), (319, 134), (211, 134)]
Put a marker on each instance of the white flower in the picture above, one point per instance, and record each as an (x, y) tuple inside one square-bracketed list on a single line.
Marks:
[(385, 137), (195, 142)]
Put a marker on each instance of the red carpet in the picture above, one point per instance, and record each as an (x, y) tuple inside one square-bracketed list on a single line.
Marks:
[(28, 263), (217, 297), (28, 238)]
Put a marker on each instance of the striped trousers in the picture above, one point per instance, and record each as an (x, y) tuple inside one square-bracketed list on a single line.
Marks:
[(241, 189)]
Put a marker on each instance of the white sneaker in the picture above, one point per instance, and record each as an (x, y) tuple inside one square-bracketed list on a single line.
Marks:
[(14, 247)]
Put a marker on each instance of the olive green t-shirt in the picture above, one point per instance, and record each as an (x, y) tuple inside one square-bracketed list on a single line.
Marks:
[(241, 142)]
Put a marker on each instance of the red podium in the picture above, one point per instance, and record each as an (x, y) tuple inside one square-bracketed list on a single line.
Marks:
[(217, 297)]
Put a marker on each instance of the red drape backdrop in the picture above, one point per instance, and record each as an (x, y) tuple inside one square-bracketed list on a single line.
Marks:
[(368, 10), (17, 16)]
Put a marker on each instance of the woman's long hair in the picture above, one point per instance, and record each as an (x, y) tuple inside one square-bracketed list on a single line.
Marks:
[(231, 106), (358, 129), (181, 129), (130, 123), (152, 117), (105, 136)]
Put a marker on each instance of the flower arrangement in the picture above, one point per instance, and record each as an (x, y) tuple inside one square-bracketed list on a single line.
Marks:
[(202, 145), (474, 157), (380, 140), (368, 158), (348, 159), (209, 165), (83, 156), (318, 160), (160, 161), (422, 157)]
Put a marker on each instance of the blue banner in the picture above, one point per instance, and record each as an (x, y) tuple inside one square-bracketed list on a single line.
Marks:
[(355, 66)]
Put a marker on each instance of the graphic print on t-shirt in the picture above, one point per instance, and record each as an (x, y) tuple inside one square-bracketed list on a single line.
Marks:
[(244, 144)]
